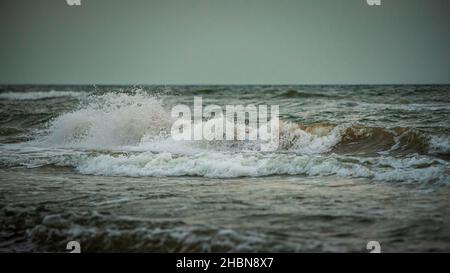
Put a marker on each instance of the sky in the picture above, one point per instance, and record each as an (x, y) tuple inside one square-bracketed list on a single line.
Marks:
[(224, 42)]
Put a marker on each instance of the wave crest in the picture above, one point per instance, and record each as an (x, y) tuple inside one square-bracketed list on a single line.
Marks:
[(40, 95), (108, 121)]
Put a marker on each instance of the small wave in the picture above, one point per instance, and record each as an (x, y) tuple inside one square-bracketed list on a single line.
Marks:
[(8, 131), (358, 139), (211, 164), (435, 106), (312, 139), (300, 94), (113, 233), (220, 165), (39, 95)]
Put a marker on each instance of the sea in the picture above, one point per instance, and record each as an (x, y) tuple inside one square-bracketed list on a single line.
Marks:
[(96, 165)]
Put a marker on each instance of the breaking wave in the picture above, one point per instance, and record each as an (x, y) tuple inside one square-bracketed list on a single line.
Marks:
[(219, 165), (108, 121), (140, 122), (119, 134)]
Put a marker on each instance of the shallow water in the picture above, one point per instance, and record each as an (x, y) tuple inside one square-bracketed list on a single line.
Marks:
[(43, 209), (355, 164)]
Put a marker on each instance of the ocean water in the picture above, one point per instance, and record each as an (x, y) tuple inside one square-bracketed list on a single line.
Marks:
[(95, 164)]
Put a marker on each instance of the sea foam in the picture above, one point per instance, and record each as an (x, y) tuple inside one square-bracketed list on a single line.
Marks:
[(108, 121), (125, 134)]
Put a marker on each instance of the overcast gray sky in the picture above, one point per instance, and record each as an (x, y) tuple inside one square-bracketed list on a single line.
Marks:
[(224, 42)]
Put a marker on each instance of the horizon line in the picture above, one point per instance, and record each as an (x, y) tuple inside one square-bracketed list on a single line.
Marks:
[(212, 84)]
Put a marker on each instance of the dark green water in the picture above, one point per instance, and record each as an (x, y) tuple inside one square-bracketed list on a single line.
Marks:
[(355, 164)]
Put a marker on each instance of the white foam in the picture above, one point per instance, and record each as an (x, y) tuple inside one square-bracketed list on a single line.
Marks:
[(321, 140), (108, 121), (135, 122), (439, 144), (130, 128), (230, 165)]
